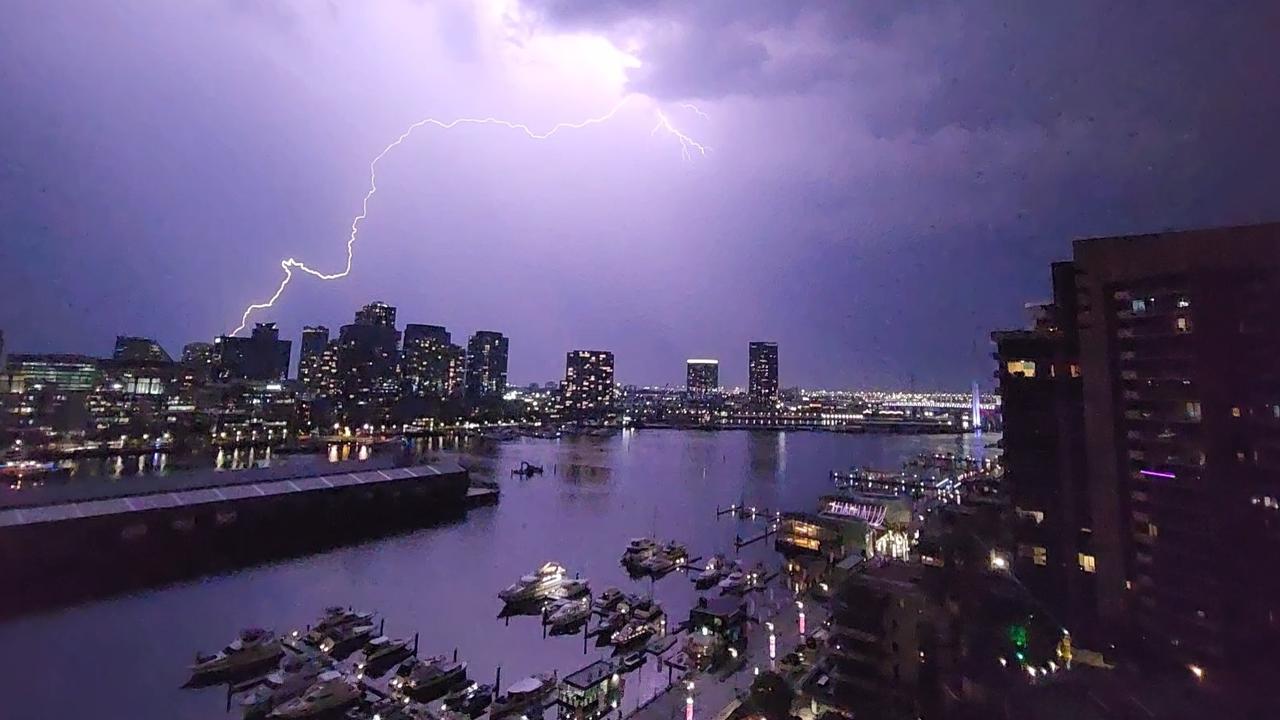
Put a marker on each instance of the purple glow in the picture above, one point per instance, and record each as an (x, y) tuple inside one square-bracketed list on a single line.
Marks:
[(1153, 473)]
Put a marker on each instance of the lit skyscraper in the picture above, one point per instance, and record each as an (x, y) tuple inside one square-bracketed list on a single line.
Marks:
[(430, 363), (315, 338), (368, 365), (588, 384), (702, 377), (486, 364), (139, 349), (762, 372)]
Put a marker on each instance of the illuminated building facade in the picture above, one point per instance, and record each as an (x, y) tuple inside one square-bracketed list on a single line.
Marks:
[(262, 356), (762, 373), (587, 391), (368, 366), (702, 377), (486, 365), (199, 355), (315, 339), (590, 693), (431, 364), (1179, 334)]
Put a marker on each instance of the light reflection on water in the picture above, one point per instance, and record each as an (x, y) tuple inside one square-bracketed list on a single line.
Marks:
[(125, 657)]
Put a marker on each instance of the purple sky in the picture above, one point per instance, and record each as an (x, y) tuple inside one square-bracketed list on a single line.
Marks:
[(885, 186)]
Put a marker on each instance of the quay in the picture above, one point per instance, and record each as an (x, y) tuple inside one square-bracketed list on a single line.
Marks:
[(86, 537)]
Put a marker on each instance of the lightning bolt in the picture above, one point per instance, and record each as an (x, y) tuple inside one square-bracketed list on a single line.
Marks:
[(290, 264), (686, 143), (696, 111)]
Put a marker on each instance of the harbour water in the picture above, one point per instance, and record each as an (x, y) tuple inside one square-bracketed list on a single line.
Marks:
[(126, 657)]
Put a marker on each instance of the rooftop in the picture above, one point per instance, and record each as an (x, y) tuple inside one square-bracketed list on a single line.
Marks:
[(591, 675)]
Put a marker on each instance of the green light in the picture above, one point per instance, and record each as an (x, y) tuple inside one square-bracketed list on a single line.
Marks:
[(1020, 656)]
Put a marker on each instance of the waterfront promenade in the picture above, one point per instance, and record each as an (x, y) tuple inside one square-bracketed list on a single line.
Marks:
[(713, 691)]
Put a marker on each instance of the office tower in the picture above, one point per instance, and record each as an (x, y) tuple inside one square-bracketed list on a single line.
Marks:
[(1042, 402), (1179, 334), (315, 338), (262, 356), (702, 377), (486, 365), (762, 373), (69, 373), (587, 392), (198, 355), (369, 365), (376, 313), (430, 361), (139, 349)]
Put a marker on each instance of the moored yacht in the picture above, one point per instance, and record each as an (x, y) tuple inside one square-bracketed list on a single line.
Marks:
[(543, 583), (293, 678), (524, 695), (331, 692), (632, 632), (609, 598), (712, 572), (383, 652), (428, 679), (253, 649), (734, 582), (638, 550), (569, 613)]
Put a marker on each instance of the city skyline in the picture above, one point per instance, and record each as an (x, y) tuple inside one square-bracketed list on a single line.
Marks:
[(870, 271)]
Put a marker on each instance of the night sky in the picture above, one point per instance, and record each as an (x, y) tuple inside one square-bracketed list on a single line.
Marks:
[(888, 181)]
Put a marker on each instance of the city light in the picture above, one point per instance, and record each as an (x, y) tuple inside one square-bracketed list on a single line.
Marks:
[(1197, 671)]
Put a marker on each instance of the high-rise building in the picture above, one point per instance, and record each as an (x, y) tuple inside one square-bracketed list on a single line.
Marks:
[(702, 377), (315, 338), (69, 373), (376, 313), (587, 392), (431, 364), (1179, 334), (369, 365), (1043, 406), (486, 365), (262, 356), (139, 349), (198, 354), (762, 372), (1167, 509)]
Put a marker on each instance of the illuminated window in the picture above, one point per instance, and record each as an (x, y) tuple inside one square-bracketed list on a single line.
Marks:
[(1025, 368), (1139, 305), (1075, 370), (1193, 410), (1039, 555), (1183, 325), (1087, 563), (1235, 412)]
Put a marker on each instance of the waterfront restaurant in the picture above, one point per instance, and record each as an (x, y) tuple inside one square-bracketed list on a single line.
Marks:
[(888, 520), (810, 534), (590, 693)]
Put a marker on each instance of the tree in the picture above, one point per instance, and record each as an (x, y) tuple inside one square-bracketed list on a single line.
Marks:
[(772, 696)]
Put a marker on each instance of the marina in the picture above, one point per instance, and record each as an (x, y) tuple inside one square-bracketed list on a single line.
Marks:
[(442, 582)]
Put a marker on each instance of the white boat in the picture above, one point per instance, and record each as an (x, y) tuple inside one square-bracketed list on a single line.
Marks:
[(539, 585), (712, 572), (610, 597), (290, 681), (523, 695), (573, 588), (382, 652), (428, 678), (254, 648), (676, 551), (569, 613), (638, 550), (633, 631), (331, 692), (657, 563), (735, 582)]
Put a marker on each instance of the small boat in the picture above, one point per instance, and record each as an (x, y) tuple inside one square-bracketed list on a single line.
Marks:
[(523, 695), (608, 599), (632, 632), (343, 641), (254, 648), (657, 564), (293, 678), (382, 652), (470, 700), (659, 645), (569, 613), (574, 588), (541, 584), (647, 611), (638, 550), (711, 574), (336, 616), (425, 680), (734, 582), (676, 551), (611, 622), (331, 693), (634, 660)]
